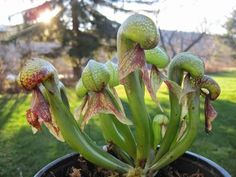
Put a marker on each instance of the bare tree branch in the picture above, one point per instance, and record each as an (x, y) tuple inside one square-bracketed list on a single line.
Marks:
[(182, 42), (142, 2), (110, 4), (162, 39), (170, 43), (122, 9), (194, 42)]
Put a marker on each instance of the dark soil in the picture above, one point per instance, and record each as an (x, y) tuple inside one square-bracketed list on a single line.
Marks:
[(86, 169), (171, 172)]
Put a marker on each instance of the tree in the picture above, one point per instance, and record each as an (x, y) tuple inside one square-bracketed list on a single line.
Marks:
[(82, 29), (230, 27), (79, 28), (91, 30)]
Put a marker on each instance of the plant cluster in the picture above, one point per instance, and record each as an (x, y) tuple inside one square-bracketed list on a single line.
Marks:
[(155, 141)]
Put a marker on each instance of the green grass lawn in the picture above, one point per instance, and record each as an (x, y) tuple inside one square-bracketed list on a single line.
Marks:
[(23, 153)]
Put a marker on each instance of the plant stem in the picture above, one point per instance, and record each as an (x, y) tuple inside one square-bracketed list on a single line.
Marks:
[(118, 133), (172, 127), (140, 116), (188, 138), (78, 141), (180, 63)]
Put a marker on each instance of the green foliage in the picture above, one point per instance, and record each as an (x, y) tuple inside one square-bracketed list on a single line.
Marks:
[(230, 26)]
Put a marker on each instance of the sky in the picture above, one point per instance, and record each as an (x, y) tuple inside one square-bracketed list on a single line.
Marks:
[(181, 15)]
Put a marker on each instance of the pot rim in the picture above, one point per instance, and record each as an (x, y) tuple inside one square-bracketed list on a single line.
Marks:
[(208, 162), (187, 154)]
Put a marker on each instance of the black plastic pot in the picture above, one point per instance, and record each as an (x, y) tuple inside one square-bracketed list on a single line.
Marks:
[(188, 163)]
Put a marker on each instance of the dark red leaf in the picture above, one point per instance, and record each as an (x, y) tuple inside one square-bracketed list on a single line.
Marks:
[(132, 60), (33, 119), (210, 114), (101, 102), (153, 83), (40, 113), (39, 106)]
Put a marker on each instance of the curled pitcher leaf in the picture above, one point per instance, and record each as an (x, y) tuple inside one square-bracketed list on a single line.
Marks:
[(95, 76), (213, 91), (33, 76), (137, 33), (187, 62), (103, 102)]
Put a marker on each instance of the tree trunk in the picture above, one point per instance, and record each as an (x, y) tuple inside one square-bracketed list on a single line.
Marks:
[(77, 71), (75, 20), (75, 24)]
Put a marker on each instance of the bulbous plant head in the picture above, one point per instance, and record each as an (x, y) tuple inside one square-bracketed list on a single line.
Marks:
[(95, 76), (159, 123), (157, 57), (100, 97), (137, 33), (140, 29), (210, 90), (81, 91), (33, 77), (114, 75), (187, 62), (211, 86), (35, 72), (161, 119)]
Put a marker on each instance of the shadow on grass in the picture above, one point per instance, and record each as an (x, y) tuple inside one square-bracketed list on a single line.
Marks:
[(23, 153), (4, 99), (6, 109), (220, 145), (26, 153)]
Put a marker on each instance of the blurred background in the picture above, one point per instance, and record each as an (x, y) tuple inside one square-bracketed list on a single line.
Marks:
[(70, 32)]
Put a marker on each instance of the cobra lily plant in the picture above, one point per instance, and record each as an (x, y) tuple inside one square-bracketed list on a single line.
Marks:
[(154, 142)]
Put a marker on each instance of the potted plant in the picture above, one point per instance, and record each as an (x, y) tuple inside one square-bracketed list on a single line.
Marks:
[(155, 142)]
